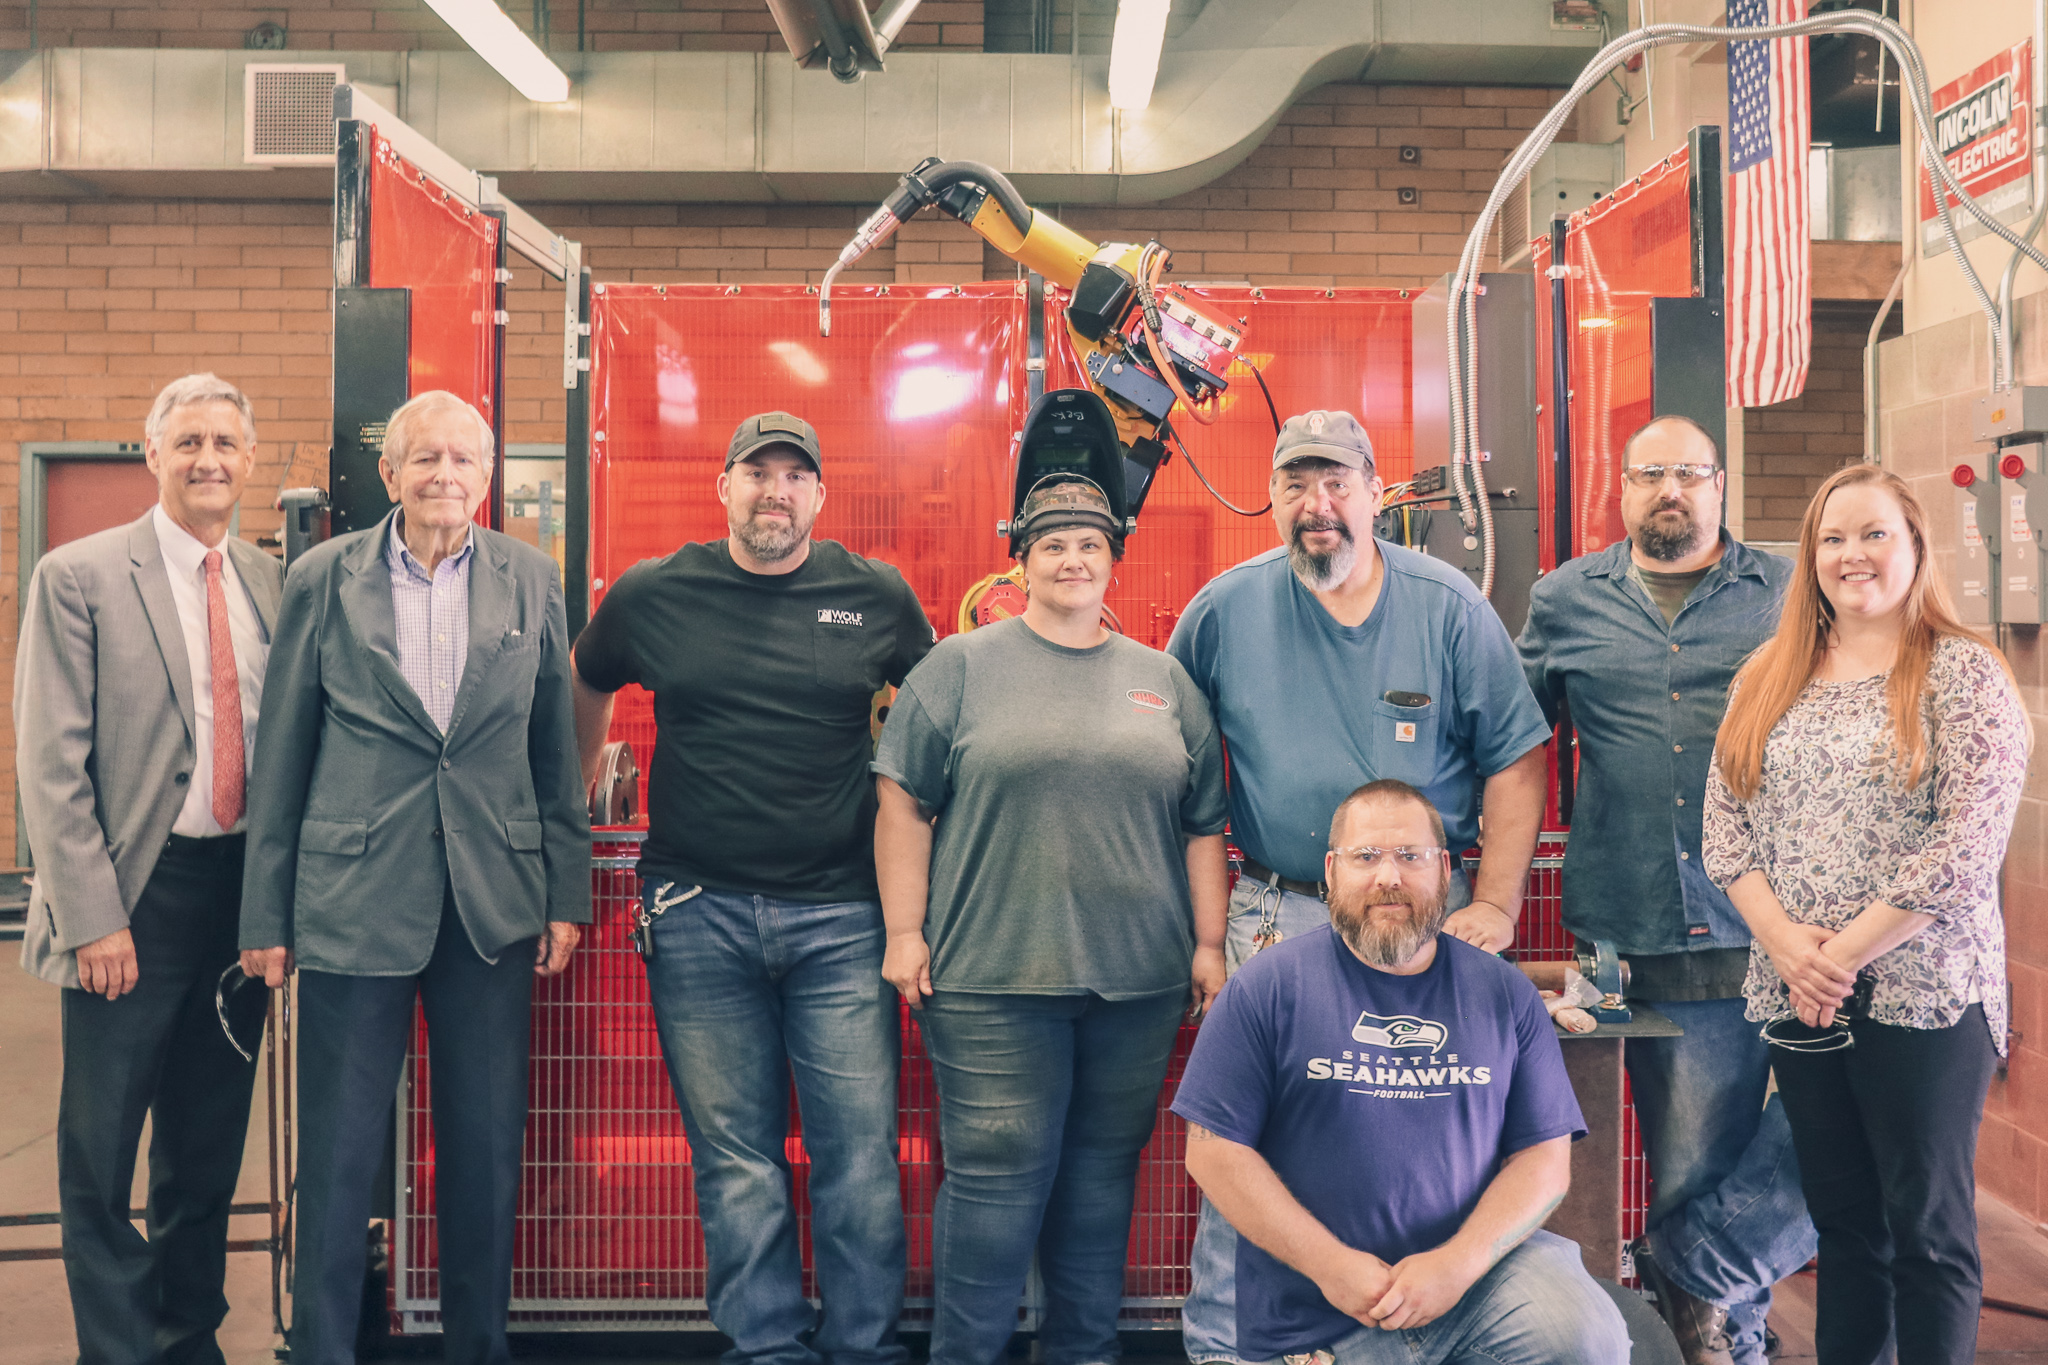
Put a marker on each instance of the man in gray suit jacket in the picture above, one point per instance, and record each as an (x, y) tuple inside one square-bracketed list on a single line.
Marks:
[(418, 829), (136, 685)]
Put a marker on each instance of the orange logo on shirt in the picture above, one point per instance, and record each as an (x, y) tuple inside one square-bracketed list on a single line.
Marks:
[(1151, 701)]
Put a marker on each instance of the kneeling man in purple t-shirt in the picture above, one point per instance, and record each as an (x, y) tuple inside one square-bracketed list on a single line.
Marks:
[(1382, 1112)]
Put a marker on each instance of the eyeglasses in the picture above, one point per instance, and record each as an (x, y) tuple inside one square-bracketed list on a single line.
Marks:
[(1688, 475), (231, 982), (1407, 858), (1794, 1034)]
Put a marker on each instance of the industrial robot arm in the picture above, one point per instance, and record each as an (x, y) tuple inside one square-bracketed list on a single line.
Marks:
[(1146, 347)]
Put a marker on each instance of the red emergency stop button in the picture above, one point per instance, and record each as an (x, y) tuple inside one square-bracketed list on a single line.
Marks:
[(2012, 466), (1962, 476)]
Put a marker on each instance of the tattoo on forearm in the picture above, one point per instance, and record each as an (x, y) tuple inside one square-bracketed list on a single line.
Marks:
[(1197, 1133), (1514, 1237)]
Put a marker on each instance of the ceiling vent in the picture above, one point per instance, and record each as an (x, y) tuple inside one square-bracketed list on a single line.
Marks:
[(288, 113)]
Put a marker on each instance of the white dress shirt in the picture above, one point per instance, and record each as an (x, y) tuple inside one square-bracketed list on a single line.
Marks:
[(185, 562)]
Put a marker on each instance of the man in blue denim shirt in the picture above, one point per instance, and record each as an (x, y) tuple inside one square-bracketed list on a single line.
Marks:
[(1639, 643)]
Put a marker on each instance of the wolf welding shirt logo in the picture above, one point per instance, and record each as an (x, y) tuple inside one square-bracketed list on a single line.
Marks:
[(1150, 701), (829, 616)]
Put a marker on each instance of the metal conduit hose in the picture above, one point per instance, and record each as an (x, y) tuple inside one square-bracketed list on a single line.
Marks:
[(2009, 376), (1461, 321)]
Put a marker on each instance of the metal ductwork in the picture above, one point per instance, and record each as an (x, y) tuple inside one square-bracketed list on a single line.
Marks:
[(752, 127)]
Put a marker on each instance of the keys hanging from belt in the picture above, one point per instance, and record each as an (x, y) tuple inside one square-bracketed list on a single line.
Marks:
[(1270, 896), (665, 898)]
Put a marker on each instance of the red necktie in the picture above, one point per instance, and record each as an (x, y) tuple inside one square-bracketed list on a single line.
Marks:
[(228, 778)]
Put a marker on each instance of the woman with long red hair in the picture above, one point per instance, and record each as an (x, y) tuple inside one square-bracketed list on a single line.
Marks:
[(1863, 789)]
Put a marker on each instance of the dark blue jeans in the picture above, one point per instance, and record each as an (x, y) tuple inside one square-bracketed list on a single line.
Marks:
[(1045, 1103), (1727, 1220), (750, 991)]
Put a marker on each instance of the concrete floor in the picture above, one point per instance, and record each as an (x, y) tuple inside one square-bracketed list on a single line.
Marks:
[(35, 1314)]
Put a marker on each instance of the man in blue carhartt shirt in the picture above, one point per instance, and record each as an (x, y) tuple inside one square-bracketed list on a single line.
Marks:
[(1638, 643), (1382, 1112), (1329, 662)]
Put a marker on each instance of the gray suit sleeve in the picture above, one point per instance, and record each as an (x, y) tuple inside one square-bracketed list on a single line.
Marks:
[(56, 677), (558, 771), (281, 776)]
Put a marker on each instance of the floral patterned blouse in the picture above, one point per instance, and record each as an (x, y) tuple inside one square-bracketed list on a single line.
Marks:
[(1833, 831)]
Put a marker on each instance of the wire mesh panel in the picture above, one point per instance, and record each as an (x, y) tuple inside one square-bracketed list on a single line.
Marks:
[(608, 1234)]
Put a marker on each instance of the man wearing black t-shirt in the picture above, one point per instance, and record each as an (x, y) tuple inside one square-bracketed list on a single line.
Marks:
[(763, 652)]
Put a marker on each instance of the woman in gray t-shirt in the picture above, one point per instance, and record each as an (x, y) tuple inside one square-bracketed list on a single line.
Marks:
[(1050, 852)]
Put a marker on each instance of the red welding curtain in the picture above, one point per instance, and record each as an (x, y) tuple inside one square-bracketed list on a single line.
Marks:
[(425, 240), (1632, 246), (1318, 348)]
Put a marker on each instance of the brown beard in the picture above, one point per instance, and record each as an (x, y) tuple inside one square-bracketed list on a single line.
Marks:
[(769, 544), (1387, 942)]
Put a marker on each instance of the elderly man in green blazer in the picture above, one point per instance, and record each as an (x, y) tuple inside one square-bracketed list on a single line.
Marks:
[(418, 829)]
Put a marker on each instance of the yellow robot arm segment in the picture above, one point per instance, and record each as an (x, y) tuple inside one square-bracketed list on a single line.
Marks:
[(1044, 245)]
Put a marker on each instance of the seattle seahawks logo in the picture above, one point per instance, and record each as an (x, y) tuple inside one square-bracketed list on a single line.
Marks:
[(1399, 1030)]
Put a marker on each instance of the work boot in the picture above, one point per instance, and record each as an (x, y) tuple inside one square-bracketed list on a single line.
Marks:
[(1701, 1327)]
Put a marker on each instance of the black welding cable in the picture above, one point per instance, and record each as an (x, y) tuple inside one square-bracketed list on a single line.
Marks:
[(1266, 391), (1205, 478)]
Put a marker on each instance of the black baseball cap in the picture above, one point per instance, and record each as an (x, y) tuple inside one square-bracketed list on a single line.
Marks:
[(766, 429)]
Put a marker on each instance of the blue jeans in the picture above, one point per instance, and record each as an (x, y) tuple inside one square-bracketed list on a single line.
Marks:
[(1045, 1104), (1208, 1317), (1728, 1220), (1537, 1306), (749, 991)]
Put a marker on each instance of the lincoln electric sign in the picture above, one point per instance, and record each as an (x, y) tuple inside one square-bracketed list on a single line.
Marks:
[(1984, 129)]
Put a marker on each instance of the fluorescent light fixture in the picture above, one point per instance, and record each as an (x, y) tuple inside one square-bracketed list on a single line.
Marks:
[(1134, 51), (496, 39)]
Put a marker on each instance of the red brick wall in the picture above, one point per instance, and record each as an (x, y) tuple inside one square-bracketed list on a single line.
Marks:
[(1789, 449), (102, 302), (397, 25)]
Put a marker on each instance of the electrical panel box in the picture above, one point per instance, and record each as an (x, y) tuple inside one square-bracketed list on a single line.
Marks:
[(2021, 411), (1506, 344), (2023, 497), (1973, 580)]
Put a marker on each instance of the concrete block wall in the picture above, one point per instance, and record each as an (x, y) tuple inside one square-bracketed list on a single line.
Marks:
[(1928, 380)]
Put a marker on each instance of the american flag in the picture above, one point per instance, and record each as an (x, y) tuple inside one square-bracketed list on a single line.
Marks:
[(1770, 277)]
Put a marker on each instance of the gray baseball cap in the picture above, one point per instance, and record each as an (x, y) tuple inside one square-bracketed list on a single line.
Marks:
[(767, 429), (1324, 435)]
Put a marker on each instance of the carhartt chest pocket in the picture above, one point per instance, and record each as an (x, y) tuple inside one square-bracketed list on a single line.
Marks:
[(1404, 740)]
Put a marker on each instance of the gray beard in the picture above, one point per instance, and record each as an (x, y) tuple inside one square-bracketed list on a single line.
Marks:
[(1387, 945), (1668, 547), (1320, 573), (769, 544)]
